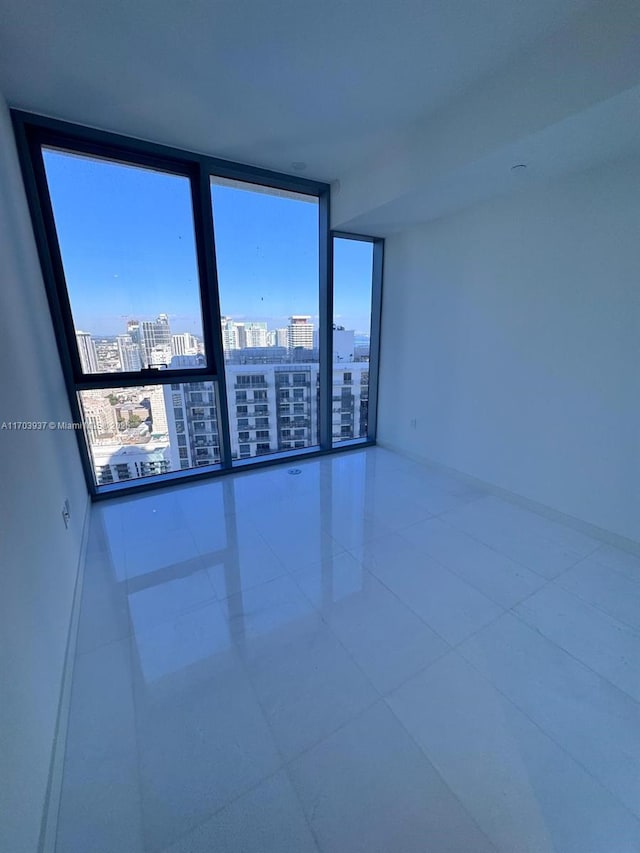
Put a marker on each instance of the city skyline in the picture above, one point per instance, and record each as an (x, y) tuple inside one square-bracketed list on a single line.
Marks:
[(177, 330), (282, 336)]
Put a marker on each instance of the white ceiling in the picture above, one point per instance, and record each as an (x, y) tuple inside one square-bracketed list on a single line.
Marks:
[(359, 91), (267, 82), (567, 104)]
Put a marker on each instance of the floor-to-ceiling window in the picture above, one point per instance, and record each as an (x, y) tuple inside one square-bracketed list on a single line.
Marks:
[(353, 293), (268, 278), (192, 300), (128, 254)]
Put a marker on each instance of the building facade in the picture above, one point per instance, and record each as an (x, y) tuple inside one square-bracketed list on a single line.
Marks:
[(300, 332), (128, 353), (87, 351), (155, 339), (184, 344), (273, 406)]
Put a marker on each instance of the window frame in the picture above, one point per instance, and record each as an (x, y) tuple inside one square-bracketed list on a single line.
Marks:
[(377, 277), (33, 133), (39, 138)]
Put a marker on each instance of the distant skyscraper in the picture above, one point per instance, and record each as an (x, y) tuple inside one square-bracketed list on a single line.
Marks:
[(300, 331), (255, 334), (242, 335), (133, 329), (135, 333), (282, 338), (184, 344), (156, 340), (87, 350), (230, 335), (129, 353)]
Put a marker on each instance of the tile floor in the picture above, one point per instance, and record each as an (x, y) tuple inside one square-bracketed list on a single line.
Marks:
[(367, 656)]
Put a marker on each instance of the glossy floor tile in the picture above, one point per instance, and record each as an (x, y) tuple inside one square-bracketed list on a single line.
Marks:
[(198, 749), (308, 685), (543, 546), (609, 647), (268, 817), (448, 604), (595, 722), (492, 573), (370, 788), (523, 789), (370, 655), (386, 638), (607, 586)]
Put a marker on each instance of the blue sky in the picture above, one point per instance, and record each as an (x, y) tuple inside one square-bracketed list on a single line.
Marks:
[(126, 236)]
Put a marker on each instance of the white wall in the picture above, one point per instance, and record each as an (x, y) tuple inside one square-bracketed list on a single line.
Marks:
[(511, 332), (38, 557)]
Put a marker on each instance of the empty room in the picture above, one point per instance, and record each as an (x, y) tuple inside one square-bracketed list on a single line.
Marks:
[(320, 426)]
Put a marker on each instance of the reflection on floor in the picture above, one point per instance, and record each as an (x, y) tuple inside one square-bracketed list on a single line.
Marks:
[(368, 656)]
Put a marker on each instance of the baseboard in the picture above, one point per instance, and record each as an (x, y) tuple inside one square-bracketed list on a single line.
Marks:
[(586, 527), (48, 829)]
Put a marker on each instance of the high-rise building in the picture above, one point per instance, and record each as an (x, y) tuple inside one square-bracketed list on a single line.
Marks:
[(133, 329), (282, 338), (135, 333), (184, 344), (278, 338), (273, 404), (255, 334), (230, 334), (350, 401), (155, 338), (272, 407), (157, 404), (192, 424), (252, 402), (87, 351), (300, 331), (129, 353), (242, 335), (107, 355), (297, 399)]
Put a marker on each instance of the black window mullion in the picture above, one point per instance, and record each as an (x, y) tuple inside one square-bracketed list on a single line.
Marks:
[(129, 152), (63, 304), (374, 337), (204, 268), (94, 381), (211, 303), (32, 164), (325, 336), (375, 327)]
